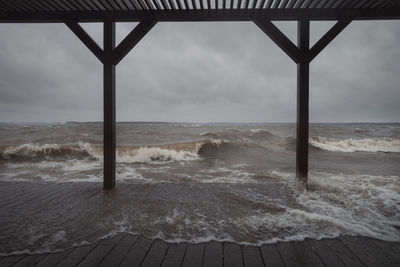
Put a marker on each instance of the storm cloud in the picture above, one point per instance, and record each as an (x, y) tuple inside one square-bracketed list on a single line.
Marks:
[(200, 72)]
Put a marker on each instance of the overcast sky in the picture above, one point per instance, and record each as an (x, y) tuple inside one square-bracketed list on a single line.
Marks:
[(200, 72)]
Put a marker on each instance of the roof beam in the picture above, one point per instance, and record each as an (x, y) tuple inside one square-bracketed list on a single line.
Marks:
[(200, 15), (132, 39), (86, 39), (279, 38), (328, 37)]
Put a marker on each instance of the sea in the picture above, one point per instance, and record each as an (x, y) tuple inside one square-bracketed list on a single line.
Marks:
[(222, 181)]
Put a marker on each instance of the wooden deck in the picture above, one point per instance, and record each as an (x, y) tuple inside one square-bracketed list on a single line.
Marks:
[(136, 250)]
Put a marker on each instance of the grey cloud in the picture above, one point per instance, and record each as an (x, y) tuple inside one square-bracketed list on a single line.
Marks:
[(199, 72)]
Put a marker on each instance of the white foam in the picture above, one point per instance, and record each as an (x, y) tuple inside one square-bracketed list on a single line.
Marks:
[(356, 204), (256, 131), (352, 145), (154, 155)]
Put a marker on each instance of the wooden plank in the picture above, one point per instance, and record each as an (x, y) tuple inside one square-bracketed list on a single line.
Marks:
[(305, 252), (252, 256), (115, 257), (271, 256), (42, 201), (289, 254), (328, 256), (344, 254), (95, 256), (85, 39), (27, 189), (384, 255), (279, 39), (213, 254), (232, 255), (132, 39), (392, 248), (10, 260), (137, 253), (47, 197), (11, 191), (201, 15), (328, 37), (77, 255), (30, 198), (194, 256), (360, 250), (54, 258), (175, 255), (156, 254), (29, 260)]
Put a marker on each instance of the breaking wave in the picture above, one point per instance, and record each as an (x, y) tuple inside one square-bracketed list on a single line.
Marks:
[(125, 154), (352, 145)]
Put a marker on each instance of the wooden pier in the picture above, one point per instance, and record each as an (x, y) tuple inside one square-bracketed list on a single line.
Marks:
[(34, 201), (134, 250)]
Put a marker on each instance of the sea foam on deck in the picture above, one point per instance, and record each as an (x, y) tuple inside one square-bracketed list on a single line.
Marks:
[(194, 183)]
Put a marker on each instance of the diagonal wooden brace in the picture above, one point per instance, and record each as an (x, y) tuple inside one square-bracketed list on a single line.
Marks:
[(132, 39), (86, 39), (280, 39), (328, 37)]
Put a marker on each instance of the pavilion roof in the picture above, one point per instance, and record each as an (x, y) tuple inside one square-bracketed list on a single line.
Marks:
[(194, 10)]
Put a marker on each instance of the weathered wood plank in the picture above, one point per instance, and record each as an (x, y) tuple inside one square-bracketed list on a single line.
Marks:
[(10, 260), (328, 256), (213, 254), (100, 252), (53, 258), (29, 260), (137, 253), (307, 254), (36, 195), (289, 254), (232, 255), (115, 257), (77, 255), (344, 254), (383, 255), (175, 255), (156, 254), (31, 195), (390, 249), (271, 256), (10, 190), (361, 251), (194, 256), (252, 256)]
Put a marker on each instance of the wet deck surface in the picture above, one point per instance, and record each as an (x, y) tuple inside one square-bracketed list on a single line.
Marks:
[(135, 250)]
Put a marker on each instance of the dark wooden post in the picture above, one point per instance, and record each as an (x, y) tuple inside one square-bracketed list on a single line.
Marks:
[(303, 76), (109, 106)]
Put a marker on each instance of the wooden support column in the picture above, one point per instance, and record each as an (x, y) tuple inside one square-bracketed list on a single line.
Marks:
[(109, 106), (303, 76)]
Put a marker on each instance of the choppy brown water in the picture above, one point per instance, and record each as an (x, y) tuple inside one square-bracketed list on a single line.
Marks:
[(222, 181)]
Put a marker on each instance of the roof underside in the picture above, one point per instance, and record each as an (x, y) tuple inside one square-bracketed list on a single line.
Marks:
[(194, 10)]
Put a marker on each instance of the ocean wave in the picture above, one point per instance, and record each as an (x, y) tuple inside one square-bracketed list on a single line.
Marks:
[(125, 154), (31, 150), (257, 131), (352, 145)]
